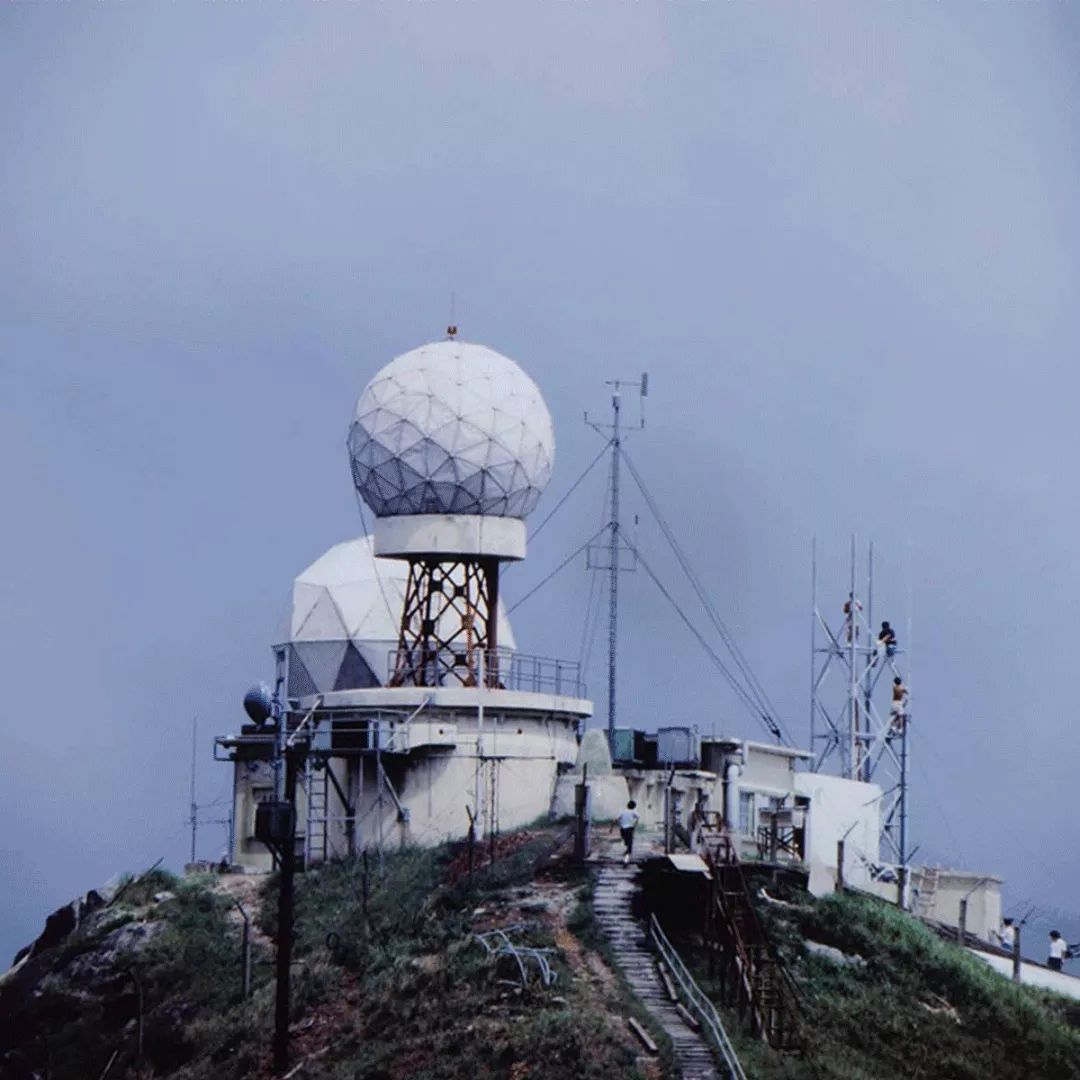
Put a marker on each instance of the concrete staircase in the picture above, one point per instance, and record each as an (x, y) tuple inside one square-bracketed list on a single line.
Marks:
[(613, 903)]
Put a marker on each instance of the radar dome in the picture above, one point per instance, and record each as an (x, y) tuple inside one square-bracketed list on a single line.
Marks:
[(451, 428)]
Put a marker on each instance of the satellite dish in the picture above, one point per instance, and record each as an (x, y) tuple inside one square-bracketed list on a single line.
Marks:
[(259, 703)]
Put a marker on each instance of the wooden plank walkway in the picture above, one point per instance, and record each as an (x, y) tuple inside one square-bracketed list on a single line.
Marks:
[(613, 899)]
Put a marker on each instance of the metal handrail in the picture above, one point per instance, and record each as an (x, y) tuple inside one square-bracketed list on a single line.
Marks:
[(697, 1001), (498, 669)]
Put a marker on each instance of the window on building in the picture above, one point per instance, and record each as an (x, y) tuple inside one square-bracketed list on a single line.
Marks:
[(746, 813)]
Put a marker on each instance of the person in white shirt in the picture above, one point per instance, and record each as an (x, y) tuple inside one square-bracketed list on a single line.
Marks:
[(1007, 935), (1059, 949), (628, 820)]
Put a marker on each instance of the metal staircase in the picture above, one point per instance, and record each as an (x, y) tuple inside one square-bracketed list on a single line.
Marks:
[(752, 976)]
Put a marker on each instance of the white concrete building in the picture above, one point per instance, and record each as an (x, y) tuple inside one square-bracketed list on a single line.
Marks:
[(401, 674)]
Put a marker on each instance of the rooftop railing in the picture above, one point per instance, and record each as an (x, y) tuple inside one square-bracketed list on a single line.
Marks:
[(497, 669)]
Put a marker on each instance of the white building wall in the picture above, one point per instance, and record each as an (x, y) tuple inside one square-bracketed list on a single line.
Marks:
[(1033, 974), (435, 783), (765, 771), (983, 894), (840, 809)]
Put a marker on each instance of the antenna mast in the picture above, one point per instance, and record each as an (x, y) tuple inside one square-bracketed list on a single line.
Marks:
[(611, 559), (613, 569), (194, 807), (851, 732)]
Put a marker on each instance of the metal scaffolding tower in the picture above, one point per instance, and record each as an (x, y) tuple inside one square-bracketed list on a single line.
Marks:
[(858, 726)]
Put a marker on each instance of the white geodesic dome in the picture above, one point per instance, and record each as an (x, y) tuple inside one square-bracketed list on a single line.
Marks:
[(346, 608), (451, 428)]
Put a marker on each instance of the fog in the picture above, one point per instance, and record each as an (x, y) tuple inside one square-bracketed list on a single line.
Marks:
[(842, 238)]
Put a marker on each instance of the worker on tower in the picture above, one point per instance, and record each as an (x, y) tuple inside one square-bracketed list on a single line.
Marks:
[(898, 708), (886, 640), (851, 609)]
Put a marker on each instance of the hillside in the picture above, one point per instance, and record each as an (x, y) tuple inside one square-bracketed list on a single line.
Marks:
[(885, 998), (391, 983), (394, 987)]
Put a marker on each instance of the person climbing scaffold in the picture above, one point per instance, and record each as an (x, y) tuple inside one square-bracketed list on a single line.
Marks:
[(852, 608), (898, 708), (886, 642)]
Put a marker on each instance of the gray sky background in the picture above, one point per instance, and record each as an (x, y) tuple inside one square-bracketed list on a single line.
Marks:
[(842, 238)]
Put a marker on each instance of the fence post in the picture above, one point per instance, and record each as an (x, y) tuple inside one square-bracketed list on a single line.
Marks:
[(1016, 956), (839, 865), (583, 814)]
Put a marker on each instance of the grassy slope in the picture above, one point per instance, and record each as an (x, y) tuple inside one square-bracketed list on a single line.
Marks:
[(404, 992), (428, 1000), (918, 1007), (408, 992), (66, 1011)]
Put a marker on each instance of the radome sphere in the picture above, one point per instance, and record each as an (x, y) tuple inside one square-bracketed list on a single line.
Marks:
[(451, 428)]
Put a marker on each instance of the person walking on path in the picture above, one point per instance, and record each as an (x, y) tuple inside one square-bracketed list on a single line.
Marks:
[(628, 820)]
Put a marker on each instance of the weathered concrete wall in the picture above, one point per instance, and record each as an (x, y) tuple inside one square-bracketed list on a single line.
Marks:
[(839, 807), (610, 794), (764, 771), (983, 900), (434, 783)]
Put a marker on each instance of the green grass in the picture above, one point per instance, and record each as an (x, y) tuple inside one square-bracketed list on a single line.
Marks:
[(403, 989), (917, 1007), (73, 1006)]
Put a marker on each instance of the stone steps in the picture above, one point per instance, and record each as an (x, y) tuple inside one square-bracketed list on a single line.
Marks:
[(616, 886)]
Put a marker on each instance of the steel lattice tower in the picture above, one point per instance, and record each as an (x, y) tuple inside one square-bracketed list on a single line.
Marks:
[(852, 728), (611, 558)]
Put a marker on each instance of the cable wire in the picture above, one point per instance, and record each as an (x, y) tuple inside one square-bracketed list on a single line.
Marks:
[(736, 686), (573, 487), (588, 619), (754, 688), (566, 562)]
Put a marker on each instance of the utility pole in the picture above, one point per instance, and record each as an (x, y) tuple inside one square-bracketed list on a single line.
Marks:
[(275, 826), (285, 917), (194, 807)]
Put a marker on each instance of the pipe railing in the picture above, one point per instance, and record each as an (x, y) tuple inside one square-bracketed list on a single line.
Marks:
[(697, 1002), (497, 669)]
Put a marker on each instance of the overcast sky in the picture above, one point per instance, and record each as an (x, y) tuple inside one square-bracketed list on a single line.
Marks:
[(842, 238)]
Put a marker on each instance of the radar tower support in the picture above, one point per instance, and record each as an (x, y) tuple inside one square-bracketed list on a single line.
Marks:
[(449, 619), (860, 709)]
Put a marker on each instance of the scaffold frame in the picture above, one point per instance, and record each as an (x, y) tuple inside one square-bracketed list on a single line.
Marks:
[(850, 733)]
